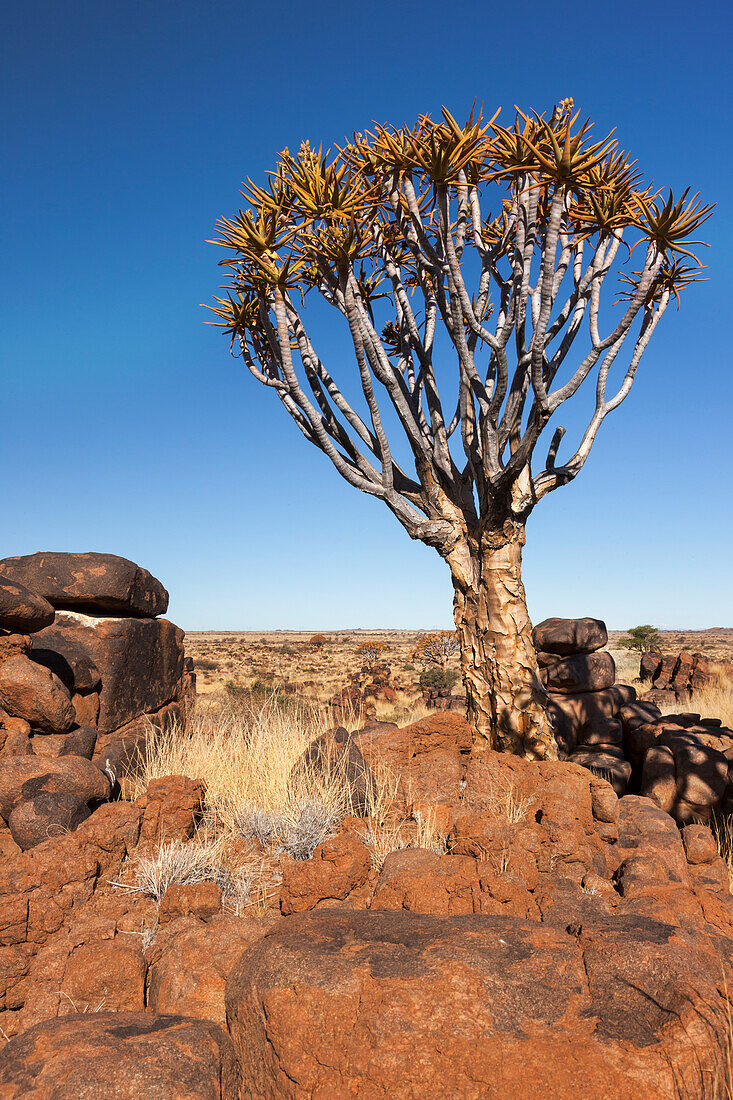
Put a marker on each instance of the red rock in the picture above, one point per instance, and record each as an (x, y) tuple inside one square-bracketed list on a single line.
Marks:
[(190, 961), (171, 809), (580, 673), (606, 761), (140, 662), (126, 1054), (21, 611), (200, 899), (399, 1004), (47, 814), (339, 865), (29, 691), (664, 675), (23, 777), (15, 742), (568, 636), (86, 708), (13, 645), (107, 975), (572, 713), (700, 846), (102, 584)]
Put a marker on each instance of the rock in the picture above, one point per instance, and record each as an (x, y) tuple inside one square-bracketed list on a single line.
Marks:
[(650, 664), (140, 662), (569, 636), (126, 1054), (124, 749), (190, 961), (399, 1004), (46, 815), (15, 742), (638, 714), (608, 731), (682, 672), (98, 584), (107, 974), (606, 762), (23, 777), (21, 611), (11, 645), (86, 708), (200, 899), (659, 697), (67, 657), (701, 774), (572, 713), (420, 881), (29, 691), (700, 846), (171, 809), (665, 673), (339, 865), (580, 673), (337, 753), (79, 741)]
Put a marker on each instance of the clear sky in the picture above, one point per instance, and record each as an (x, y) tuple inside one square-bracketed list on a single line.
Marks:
[(126, 427)]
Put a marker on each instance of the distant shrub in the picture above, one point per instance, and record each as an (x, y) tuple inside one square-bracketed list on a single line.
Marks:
[(435, 678), (372, 653), (317, 642), (204, 664), (642, 638), (436, 648)]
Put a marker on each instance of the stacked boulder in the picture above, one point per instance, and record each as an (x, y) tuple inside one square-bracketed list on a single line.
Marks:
[(86, 668), (585, 700)]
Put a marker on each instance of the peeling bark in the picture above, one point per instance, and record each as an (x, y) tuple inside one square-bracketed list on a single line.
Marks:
[(505, 697)]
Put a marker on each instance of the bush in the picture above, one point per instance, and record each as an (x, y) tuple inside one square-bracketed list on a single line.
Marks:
[(642, 638), (435, 678)]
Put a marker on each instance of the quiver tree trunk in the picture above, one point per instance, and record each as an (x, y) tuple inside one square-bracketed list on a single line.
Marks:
[(505, 697)]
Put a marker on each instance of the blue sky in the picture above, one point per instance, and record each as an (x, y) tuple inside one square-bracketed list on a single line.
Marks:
[(126, 427)]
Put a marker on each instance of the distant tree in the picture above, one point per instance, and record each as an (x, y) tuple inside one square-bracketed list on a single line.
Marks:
[(372, 653), (462, 324), (317, 642), (436, 648), (642, 638)]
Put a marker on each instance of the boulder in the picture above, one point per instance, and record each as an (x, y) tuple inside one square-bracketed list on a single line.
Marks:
[(23, 777), (58, 650), (48, 814), (580, 673), (32, 692), (127, 1055), (568, 636), (337, 753), (650, 664), (190, 961), (199, 899), (79, 741), (140, 662), (607, 762), (99, 584), (366, 1003), (572, 713), (11, 645), (171, 809), (21, 611), (339, 865)]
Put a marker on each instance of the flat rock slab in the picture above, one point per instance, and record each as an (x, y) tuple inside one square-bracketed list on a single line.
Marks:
[(22, 611), (580, 673), (140, 662), (125, 1055), (102, 584), (374, 1004)]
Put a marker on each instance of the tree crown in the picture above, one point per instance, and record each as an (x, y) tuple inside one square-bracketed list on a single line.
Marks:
[(393, 232)]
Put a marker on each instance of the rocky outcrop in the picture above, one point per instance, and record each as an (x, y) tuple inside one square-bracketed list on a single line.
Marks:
[(75, 684), (125, 1054), (679, 676)]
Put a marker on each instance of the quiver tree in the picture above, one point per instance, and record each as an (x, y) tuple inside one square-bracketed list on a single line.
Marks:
[(436, 648), (467, 264), (371, 653)]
